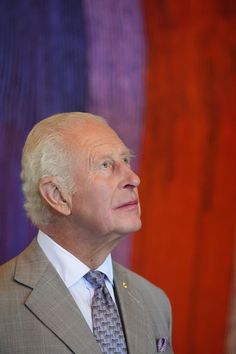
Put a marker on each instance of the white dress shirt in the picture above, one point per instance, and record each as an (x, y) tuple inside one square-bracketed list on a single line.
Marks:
[(72, 271)]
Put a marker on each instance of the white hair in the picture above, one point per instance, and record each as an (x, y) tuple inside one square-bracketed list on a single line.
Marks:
[(47, 153)]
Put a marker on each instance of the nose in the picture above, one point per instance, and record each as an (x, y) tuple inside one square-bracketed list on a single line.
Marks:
[(129, 178)]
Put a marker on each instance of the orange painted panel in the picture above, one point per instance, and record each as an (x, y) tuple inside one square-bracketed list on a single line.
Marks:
[(188, 168)]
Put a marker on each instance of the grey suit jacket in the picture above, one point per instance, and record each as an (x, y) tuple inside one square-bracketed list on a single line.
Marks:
[(39, 316)]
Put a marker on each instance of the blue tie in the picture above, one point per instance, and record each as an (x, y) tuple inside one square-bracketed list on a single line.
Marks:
[(107, 328)]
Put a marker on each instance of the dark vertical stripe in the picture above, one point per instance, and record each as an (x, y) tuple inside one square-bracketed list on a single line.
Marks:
[(43, 71)]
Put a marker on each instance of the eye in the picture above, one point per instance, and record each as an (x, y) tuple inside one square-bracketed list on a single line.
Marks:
[(106, 164), (126, 160)]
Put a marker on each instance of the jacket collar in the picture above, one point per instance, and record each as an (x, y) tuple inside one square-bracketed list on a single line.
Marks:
[(51, 302)]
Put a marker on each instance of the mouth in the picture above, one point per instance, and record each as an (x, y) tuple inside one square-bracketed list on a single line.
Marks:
[(132, 204)]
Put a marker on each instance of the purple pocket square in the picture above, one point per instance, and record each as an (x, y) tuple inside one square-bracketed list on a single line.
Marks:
[(162, 344)]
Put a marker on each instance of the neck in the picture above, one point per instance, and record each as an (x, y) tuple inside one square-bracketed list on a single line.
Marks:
[(90, 251)]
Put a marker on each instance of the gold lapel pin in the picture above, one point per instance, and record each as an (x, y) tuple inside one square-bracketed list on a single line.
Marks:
[(124, 284)]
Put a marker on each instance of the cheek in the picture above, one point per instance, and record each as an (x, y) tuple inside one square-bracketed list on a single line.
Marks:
[(100, 202), (97, 197), (103, 205)]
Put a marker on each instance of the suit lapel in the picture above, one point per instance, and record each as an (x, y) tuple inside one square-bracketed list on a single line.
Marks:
[(52, 303), (133, 313)]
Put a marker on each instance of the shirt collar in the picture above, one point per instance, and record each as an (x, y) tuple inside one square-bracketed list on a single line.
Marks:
[(70, 268)]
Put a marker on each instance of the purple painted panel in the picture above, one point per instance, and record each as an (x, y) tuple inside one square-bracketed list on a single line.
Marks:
[(116, 63), (43, 71)]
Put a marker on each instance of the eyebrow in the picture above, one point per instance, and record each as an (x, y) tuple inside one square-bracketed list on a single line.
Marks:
[(126, 152)]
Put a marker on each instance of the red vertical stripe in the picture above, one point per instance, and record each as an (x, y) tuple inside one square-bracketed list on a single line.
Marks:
[(188, 168)]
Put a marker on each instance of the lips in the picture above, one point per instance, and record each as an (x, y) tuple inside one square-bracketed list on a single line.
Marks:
[(128, 204)]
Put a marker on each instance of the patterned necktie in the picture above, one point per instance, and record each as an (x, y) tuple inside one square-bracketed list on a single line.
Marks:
[(107, 328)]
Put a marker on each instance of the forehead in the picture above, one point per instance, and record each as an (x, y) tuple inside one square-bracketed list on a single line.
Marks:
[(95, 137)]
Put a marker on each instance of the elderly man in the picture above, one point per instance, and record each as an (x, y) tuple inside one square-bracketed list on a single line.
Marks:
[(63, 294)]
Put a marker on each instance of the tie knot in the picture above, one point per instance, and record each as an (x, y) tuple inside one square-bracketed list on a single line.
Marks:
[(95, 278)]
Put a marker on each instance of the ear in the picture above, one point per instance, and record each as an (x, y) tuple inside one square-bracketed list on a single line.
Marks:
[(55, 195)]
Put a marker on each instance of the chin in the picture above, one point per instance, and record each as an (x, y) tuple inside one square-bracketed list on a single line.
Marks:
[(128, 229)]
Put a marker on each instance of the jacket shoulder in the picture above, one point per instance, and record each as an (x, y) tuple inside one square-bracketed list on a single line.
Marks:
[(7, 270)]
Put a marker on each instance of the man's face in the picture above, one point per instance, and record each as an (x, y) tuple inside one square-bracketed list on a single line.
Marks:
[(106, 198)]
